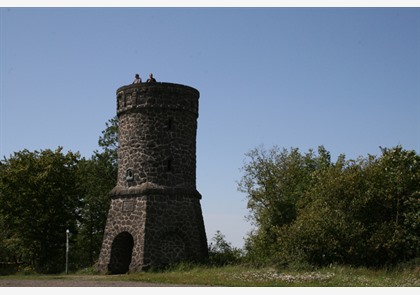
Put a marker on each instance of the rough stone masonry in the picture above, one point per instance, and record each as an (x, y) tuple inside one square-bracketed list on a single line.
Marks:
[(155, 217)]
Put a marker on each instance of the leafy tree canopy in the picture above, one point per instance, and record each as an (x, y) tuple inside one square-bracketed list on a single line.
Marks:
[(307, 209), (39, 200)]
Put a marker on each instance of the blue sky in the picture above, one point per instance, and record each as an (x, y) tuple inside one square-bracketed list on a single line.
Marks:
[(345, 78)]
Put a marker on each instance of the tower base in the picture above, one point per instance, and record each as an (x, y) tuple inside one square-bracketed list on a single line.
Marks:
[(152, 228)]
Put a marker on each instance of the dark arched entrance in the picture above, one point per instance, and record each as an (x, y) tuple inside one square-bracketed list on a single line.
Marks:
[(121, 250)]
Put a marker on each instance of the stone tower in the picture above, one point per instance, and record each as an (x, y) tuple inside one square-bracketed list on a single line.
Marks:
[(155, 217)]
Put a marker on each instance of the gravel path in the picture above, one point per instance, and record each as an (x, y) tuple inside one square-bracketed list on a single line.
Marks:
[(74, 281)]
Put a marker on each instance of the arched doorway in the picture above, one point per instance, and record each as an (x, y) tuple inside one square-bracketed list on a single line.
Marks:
[(121, 251)]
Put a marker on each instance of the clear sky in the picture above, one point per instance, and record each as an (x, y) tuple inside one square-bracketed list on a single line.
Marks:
[(345, 78)]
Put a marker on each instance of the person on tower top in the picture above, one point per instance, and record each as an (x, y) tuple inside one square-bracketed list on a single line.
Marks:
[(151, 79), (137, 79)]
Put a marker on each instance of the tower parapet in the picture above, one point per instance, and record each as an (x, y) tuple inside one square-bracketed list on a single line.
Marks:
[(157, 95)]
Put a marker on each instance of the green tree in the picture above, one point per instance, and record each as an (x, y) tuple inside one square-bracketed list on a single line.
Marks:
[(392, 211), (39, 200), (325, 231), (97, 176), (274, 181), (363, 212), (109, 141), (308, 210)]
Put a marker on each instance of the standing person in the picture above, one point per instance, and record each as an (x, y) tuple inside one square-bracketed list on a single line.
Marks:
[(151, 79), (137, 79)]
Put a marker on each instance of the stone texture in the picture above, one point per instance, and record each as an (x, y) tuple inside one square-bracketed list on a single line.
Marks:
[(155, 216)]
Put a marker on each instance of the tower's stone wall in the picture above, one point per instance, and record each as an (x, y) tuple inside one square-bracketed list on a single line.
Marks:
[(158, 126), (155, 202)]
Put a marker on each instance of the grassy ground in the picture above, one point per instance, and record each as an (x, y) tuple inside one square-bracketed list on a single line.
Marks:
[(241, 276), (245, 277)]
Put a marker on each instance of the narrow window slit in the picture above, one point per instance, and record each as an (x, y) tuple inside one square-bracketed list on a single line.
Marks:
[(169, 124)]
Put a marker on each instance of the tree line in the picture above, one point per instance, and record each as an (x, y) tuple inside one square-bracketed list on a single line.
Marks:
[(309, 210), (305, 208), (44, 193)]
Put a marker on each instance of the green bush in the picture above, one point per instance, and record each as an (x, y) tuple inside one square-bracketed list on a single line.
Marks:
[(222, 253)]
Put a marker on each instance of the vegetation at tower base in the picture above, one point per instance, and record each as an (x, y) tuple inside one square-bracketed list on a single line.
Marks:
[(222, 253), (309, 210), (97, 178)]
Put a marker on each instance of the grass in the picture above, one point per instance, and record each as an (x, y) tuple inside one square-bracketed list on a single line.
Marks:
[(242, 276)]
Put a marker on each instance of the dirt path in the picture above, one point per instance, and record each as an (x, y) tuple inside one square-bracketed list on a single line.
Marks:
[(74, 281)]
